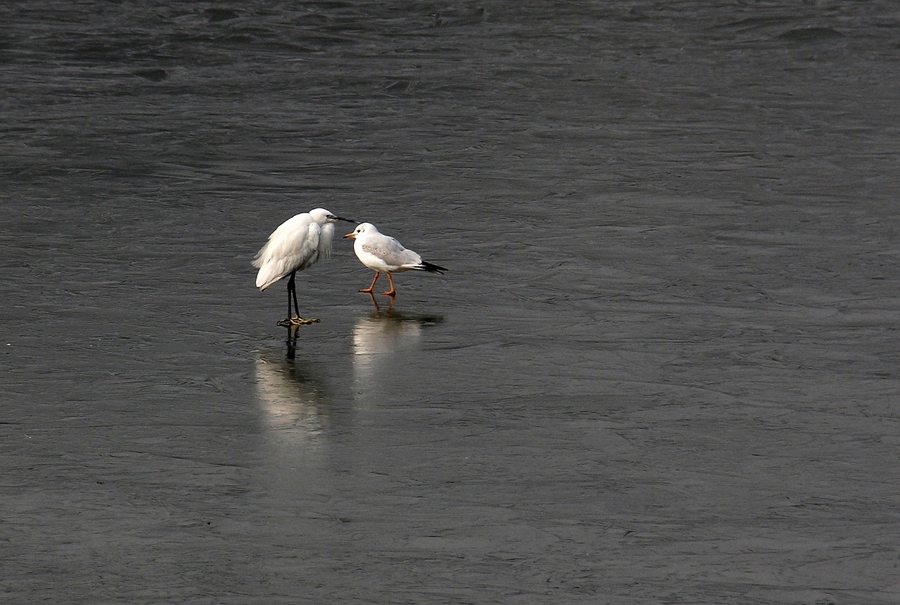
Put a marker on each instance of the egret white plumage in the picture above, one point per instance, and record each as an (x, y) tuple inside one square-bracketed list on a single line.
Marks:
[(294, 246), (383, 254)]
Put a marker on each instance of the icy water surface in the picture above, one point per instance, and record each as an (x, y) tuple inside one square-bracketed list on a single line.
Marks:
[(663, 367)]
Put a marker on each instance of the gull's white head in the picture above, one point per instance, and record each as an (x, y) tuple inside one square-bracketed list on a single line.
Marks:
[(360, 229)]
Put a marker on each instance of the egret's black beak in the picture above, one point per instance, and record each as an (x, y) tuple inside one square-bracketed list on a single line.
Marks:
[(340, 218)]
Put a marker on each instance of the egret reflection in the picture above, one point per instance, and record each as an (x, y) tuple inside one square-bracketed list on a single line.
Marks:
[(291, 342), (294, 428), (289, 399)]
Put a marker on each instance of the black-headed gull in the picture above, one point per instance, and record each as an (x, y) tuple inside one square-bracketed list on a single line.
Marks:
[(383, 254)]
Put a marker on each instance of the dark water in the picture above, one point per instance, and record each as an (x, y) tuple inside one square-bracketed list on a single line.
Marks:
[(662, 369)]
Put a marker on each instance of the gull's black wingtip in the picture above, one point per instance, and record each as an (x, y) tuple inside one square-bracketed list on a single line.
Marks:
[(432, 268)]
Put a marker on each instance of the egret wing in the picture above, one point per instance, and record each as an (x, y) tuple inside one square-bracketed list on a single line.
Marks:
[(293, 246)]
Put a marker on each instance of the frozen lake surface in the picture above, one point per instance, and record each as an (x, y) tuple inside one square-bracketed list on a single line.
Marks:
[(663, 367)]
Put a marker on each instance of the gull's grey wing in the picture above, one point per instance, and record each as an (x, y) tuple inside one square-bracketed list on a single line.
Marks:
[(391, 251)]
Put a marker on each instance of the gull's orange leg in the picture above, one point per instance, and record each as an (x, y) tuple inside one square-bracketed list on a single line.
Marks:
[(371, 287), (393, 291)]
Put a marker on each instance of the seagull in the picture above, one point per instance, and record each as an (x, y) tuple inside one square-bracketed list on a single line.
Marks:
[(296, 245), (383, 254)]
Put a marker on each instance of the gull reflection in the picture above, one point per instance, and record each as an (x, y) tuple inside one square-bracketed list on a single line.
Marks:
[(380, 340)]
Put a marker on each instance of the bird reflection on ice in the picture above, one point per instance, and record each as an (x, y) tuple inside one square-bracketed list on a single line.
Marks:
[(289, 400), (294, 428), (379, 342)]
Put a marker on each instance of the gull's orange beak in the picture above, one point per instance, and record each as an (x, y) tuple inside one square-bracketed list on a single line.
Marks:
[(350, 236)]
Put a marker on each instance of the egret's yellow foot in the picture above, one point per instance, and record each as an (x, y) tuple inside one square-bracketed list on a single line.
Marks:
[(297, 321)]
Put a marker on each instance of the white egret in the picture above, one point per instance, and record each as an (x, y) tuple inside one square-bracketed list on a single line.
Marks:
[(383, 254), (294, 246)]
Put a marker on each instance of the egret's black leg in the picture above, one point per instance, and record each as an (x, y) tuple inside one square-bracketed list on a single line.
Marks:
[(294, 291), (294, 306), (291, 292)]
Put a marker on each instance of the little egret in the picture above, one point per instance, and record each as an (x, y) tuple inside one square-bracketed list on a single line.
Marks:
[(296, 245), (383, 254)]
